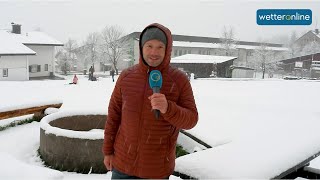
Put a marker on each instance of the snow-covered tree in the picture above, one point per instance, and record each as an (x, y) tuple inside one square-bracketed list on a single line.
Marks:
[(66, 57), (293, 48), (91, 49), (228, 40), (69, 47), (263, 59), (62, 60), (115, 46)]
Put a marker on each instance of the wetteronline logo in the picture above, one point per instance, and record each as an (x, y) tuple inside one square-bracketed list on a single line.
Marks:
[(284, 17)]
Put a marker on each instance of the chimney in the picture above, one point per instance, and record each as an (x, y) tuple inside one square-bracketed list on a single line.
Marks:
[(16, 28), (316, 31)]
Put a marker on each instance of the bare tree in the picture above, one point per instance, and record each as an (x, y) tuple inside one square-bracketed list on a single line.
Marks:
[(228, 40), (69, 47), (91, 49), (262, 58), (293, 48), (115, 46)]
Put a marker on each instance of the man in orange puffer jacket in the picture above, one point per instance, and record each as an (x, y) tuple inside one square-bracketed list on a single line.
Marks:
[(136, 144)]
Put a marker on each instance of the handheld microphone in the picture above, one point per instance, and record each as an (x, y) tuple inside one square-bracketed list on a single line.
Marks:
[(155, 82)]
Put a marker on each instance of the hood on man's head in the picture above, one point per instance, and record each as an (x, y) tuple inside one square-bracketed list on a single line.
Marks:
[(153, 33)]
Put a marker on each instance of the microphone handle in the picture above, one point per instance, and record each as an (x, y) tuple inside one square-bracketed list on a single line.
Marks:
[(156, 111)]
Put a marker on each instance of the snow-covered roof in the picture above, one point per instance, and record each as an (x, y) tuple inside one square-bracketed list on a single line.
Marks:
[(198, 58), (195, 44), (315, 33), (257, 47), (15, 44), (12, 46), (36, 38), (219, 45)]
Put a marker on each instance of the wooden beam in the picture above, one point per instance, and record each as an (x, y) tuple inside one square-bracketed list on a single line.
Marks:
[(25, 111)]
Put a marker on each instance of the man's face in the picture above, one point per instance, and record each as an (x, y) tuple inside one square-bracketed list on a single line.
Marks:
[(153, 52)]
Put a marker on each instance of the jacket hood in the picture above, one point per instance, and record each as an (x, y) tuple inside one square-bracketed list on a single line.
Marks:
[(166, 61)]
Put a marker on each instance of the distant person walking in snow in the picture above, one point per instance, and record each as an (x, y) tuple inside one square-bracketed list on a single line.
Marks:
[(112, 74), (91, 71)]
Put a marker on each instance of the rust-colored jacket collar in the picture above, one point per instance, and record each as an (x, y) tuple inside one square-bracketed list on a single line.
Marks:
[(165, 63)]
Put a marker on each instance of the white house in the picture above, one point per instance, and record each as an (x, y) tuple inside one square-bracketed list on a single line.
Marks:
[(24, 56)]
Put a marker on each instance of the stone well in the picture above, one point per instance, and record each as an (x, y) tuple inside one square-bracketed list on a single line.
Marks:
[(73, 141)]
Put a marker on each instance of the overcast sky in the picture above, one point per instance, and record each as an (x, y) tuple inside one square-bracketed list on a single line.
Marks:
[(63, 19)]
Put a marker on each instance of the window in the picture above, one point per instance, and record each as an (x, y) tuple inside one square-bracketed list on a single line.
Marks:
[(34, 68), (175, 52), (5, 72), (180, 52), (189, 51), (46, 67), (185, 51)]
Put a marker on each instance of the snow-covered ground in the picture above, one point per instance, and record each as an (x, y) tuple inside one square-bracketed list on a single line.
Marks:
[(271, 123)]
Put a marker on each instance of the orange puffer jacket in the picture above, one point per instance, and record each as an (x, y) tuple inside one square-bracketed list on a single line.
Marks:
[(143, 146)]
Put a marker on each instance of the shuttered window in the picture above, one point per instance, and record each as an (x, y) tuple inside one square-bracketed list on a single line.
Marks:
[(34, 68)]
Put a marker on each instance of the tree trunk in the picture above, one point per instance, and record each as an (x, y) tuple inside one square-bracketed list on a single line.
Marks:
[(263, 70)]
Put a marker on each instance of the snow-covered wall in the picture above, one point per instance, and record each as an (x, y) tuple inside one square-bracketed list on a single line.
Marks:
[(16, 66), (45, 55)]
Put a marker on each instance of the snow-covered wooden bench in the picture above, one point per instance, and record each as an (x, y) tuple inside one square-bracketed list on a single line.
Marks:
[(272, 146), (37, 109)]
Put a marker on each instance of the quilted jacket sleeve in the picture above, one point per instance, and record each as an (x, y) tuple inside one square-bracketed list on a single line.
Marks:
[(183, 114), (113, 118)]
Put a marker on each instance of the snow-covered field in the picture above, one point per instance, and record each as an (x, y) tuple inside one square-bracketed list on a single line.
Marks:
[(258, 128)]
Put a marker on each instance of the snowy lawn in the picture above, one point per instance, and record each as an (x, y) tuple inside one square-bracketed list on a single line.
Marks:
[(258, 128)]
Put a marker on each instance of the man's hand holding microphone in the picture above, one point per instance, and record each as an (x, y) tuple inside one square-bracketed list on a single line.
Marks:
[(158, 101)]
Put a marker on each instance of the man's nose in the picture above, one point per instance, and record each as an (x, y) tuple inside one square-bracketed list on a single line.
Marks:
[(154, 51)]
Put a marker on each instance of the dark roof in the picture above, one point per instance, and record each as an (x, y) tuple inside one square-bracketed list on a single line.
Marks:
[(206, 40), (316, 56), (241, 67)]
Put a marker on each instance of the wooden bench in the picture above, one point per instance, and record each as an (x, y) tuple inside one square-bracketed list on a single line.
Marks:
[(38, 111)]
